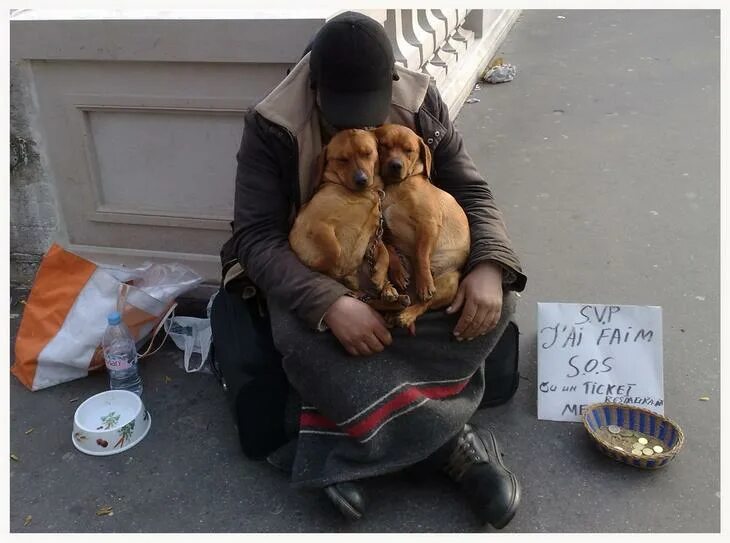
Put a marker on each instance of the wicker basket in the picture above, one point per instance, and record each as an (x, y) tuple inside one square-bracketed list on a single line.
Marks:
[(633, 418)]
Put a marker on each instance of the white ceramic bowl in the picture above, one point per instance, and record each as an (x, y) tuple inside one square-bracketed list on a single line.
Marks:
[(110, 422)]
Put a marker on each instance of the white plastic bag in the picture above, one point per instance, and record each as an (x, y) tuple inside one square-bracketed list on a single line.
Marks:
[(166, 281), (193, 336)]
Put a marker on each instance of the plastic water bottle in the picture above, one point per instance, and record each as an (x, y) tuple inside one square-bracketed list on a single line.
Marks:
[(120, 356)]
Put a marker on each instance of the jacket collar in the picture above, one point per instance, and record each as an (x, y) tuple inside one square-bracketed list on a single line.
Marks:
[(291, 104)]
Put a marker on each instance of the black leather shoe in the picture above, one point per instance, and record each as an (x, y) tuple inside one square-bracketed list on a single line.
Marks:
[(348, 498), (476, 465)]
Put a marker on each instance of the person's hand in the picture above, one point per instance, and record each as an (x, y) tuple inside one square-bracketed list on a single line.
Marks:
[(358, 327), (480, 295)]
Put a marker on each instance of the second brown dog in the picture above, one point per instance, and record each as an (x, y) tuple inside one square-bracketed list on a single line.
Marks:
[(425, 224)]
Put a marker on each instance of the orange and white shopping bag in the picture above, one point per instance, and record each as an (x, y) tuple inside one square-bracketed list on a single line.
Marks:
[(66, 312)]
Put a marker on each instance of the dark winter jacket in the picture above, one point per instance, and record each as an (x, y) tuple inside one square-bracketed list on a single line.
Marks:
[(281, 140)]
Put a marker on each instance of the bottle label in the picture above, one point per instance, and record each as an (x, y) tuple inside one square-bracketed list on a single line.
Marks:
[(118, 362)]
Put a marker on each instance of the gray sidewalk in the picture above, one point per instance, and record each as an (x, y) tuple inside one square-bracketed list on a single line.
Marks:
[(603, 154)]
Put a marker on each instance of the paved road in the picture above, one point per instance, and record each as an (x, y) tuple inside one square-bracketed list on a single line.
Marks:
[(604, 155)]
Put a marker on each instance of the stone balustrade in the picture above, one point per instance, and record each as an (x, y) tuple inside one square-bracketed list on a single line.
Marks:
[(132, 120)]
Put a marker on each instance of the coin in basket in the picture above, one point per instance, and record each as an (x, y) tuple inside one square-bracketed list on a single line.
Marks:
[(636, 452), (614, 429), (658, 449), (643, 440), (647, 451), (626, 433)]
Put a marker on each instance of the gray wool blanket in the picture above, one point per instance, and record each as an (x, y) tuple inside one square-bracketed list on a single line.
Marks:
[(367, 416)]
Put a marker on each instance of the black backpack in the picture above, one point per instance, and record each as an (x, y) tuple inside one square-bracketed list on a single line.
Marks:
[(254, 383), (501, 372)]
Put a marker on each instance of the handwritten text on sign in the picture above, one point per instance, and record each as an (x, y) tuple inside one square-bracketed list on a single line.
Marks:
[(598, 353)]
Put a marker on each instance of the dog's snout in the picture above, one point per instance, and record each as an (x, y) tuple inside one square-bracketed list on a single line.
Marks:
[(395, 166), (360, 178)]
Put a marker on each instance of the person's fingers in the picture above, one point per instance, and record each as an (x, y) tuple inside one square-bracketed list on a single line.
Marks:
[(363, 349), (374, 344), (412, 329), (458, 300), (467, 316), (486, 319), (497, 314), (383, 334), (492, 320), (351, 350), (477, 323)]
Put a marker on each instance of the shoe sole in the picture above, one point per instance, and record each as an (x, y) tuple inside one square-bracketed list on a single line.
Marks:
[(512, 509), (342, 505)]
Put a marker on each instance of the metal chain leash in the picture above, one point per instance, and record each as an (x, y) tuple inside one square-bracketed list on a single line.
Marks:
[(377, 238)]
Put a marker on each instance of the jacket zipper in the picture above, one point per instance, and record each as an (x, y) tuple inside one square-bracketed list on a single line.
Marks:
[(295, 192)]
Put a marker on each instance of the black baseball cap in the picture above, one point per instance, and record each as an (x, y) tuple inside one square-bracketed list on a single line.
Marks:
[(353, 68)]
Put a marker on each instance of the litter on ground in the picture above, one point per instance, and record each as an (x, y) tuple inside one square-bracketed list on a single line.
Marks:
[(501, 73), (104, 510)]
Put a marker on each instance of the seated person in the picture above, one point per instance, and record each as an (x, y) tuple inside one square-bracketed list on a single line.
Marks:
[(401, 401)]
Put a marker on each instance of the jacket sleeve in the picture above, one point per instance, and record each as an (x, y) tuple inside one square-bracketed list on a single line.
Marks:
[(454, 171), (261, 228)]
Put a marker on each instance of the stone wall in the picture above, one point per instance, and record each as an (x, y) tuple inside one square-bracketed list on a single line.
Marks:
[(99, 86), (33, 216)]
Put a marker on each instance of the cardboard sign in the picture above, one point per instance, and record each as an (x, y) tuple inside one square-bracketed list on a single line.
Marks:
[(598, 353)]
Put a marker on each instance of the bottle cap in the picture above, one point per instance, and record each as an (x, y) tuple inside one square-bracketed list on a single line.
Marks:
[(114, 318)]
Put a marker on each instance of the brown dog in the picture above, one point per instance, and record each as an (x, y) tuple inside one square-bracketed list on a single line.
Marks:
[(335, 233), (424, 223)]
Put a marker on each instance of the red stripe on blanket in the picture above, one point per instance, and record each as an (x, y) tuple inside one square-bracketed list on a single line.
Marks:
[(438, 392), (408, 396), (315, 420)]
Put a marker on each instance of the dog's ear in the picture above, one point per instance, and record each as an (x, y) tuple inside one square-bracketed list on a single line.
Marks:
[(319, 167), (425, 158), (374, 133)]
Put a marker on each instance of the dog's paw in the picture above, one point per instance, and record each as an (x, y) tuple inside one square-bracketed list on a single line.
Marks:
[(389, 293), (404, 300), (400, 278), (391, 319), (426, 292), (406, 319)]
